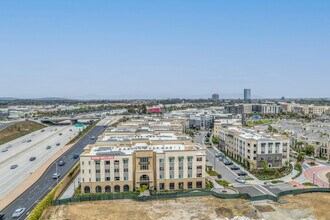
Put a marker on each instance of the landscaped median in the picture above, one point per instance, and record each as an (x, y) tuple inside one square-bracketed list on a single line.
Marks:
[(43, 205)]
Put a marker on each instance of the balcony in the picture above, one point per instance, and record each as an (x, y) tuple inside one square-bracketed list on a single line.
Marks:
[(144, 163)]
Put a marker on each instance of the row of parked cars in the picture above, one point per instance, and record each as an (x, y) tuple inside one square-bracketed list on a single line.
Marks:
[(241, 174)]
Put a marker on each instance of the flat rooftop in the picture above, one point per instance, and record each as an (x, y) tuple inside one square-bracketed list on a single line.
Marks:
[(119, 150)]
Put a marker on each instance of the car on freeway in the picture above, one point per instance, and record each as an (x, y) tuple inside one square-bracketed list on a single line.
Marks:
[(32, 158), (29, 140), (234, 168), (240, 180), (56, 175), (42, 130), (93, 137), (48, 147), (61, 163), (60, 134), (228, 162), (75, 156), (13, 166), (24, 141), (58, 144), (18, 212), (70, 130), (4, 150), (9, 146), (242, 173)]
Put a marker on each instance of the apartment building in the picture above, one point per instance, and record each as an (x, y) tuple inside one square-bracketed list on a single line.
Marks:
[(222, 123), (114, 168), (305, 109), (252, 148)]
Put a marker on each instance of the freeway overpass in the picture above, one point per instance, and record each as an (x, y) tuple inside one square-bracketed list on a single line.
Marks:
[(73, 120)]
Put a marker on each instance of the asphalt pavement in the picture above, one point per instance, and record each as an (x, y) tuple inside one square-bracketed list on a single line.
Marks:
[(45, 184)]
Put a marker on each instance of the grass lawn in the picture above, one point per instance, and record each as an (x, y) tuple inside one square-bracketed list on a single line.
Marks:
[(18, 130)]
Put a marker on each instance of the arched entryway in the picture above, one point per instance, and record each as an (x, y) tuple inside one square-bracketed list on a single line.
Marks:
[(98, 189), (87, 189), (117, 188), (126, 188), (107, 189)]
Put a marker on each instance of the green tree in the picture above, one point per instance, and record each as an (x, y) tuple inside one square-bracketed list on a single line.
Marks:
[(265, 165), (300, 157), (309, 150)]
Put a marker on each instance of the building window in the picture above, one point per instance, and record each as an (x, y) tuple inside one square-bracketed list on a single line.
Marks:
[(180, 159), (125, 177), (190, 185), (161, 186), (98, 179), (83, 171), (107, 189), (190, 159), (199, 158), (180, 167), (189, 167), (107, 170), (98, 189), (107, 178), (199, 167), (161, 160), (116, 162), (161, 176), (171, 185), (171, 176), (117, 178), (89, 171), (125, 170), (144, 167), (116, 170), (82, 162), (144, 160), (171, 159), (83, 179), (161, 168), (125, 161), (87, 189), (189, 175), (144, 178), (107, 162), (90, 179), (199, 184), (180, 176), (97, 162), (171, 168), (89, 162), (97, 171), (117, 188), (126, 188), (199, 175)]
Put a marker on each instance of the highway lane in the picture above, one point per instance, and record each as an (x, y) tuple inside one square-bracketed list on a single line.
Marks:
[(36, 192), (9, 179)]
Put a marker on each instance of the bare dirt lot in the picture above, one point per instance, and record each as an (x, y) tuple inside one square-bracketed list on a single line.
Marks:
[(305, 206), (184, 208)]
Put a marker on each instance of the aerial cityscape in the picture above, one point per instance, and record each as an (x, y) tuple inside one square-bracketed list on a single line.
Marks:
[(164, 110)]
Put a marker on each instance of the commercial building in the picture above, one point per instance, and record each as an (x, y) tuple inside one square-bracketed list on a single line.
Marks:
[(135, 154), (252, 149), (215, 97), (114, 168), (247, 94)]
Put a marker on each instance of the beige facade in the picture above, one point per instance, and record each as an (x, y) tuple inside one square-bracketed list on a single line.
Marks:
[(126, 168)]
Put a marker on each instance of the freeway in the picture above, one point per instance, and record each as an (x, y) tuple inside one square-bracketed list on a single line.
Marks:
[(20, 153), (44, 185)]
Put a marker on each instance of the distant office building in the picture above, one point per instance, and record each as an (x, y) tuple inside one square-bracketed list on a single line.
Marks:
[(247, 94), (215, 97)]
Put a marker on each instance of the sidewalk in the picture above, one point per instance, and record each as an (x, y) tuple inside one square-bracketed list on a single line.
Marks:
[(70, 190)]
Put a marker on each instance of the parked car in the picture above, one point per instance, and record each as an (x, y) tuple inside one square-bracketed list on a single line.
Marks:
[(60, 134), (48, 147), (75, 156), (18, 212), (13, 166), (240, 179), (32, 158), (217, 155), (228, 162), (61, 163), (56, 175), (4, 150), (29, 140), (242, 173), (234, 168), (93, 137)]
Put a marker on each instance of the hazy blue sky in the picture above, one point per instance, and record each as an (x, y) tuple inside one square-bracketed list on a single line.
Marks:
[(161, 49)]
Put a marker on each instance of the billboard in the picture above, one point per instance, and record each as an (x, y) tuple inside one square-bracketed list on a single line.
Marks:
[(154, 110)]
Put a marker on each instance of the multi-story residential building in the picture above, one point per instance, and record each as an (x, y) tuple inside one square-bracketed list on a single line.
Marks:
[(126, 167), (252, 148), (239, 109), (305, 109), (221, 123), (215, 97)]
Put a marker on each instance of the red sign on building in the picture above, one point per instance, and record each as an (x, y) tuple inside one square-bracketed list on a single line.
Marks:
[(102, 158), (154, 110)]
